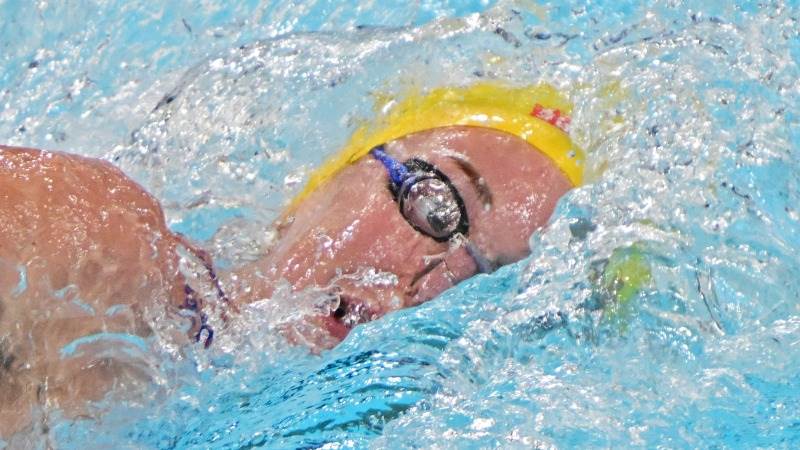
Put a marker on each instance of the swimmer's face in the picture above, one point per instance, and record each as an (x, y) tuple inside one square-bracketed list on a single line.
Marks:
[(350, 237)]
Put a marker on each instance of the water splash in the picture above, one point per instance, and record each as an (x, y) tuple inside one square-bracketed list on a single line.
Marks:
[(689, 115)]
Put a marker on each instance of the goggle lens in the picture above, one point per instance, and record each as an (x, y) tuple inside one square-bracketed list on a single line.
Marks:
[(430, 205)]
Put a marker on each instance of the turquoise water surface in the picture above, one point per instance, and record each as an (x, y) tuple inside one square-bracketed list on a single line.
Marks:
[(690, 115)]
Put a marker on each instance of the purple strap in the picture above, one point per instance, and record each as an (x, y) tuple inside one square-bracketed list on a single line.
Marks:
[(397, 171)]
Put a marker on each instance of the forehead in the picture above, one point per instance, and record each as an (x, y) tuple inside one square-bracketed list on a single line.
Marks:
[(468, 141), (496, 156)]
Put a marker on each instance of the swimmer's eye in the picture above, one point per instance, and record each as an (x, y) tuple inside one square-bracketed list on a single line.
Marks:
[(428, 200), (431, 206)]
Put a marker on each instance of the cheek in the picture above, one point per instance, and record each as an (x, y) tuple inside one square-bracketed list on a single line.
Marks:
[(507, 242), (374, 236)]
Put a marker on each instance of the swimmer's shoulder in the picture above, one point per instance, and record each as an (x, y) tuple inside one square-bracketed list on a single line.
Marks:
[(29, 161), (29, 172)]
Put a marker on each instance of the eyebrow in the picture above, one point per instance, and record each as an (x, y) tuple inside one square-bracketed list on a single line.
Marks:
[(477, 181)]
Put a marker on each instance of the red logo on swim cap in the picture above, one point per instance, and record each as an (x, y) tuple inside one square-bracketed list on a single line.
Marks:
[(552, 116)]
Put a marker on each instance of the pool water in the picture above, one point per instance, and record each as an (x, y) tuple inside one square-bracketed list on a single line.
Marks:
[(690, 115)]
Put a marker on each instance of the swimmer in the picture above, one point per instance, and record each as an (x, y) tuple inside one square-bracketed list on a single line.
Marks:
[(441, 187)]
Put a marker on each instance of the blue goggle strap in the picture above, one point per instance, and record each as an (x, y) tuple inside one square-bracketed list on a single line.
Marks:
[(398, 172)]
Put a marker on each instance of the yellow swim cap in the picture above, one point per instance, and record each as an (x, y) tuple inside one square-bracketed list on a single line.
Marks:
[(538, 114)]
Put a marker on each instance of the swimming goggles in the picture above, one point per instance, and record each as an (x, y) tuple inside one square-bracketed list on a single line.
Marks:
[(430, 202)]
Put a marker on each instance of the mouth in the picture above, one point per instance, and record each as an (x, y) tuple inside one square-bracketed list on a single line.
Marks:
[(350, 312)]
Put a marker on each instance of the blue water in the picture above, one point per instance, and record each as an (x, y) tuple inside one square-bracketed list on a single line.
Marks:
[(690, 114)]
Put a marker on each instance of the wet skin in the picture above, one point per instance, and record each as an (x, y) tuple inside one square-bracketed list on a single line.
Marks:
[(98, 257)]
